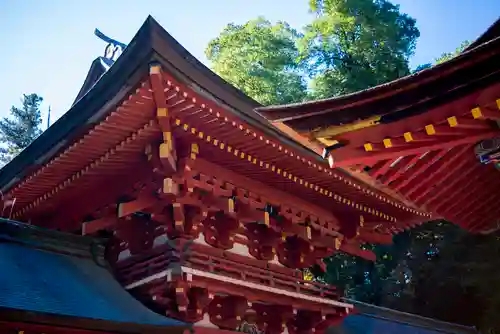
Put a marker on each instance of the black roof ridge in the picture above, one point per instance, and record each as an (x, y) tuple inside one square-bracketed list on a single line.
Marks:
[(492, 32), (51, 240)]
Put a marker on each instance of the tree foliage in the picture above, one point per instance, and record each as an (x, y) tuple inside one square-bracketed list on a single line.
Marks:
[(349, 46), (355, 44), (18, 131), (259, 58), (449, 55)]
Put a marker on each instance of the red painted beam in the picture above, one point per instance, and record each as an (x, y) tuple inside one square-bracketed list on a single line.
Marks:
[(156, 79), (355, 250), (399, 168), (451, 199), (438, 179), (488, 182), (484, 205), (484, 196), (380, 168), (449, 182), (349, 156), (420, 166), (424, 179), (456, 185), (486, 219), (376, 238), (272, 194)]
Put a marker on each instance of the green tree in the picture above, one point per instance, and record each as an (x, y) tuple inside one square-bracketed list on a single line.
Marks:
[(259, 58), (18, 131), (355, 44), (449, 55)]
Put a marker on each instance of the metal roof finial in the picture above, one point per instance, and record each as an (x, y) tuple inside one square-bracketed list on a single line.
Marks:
[(114, 48)]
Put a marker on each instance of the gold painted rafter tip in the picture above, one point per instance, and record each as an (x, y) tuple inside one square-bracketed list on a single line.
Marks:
[(154, 69)]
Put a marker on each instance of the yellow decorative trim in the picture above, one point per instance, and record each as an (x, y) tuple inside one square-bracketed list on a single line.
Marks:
[(155, 69), (452, 121), (336, 130), (387, 143), (408, 137), (266, 218), (161, 112), (429, 129), (476, 113), (368, 147)]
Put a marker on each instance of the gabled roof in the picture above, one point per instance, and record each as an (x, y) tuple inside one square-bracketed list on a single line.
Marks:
[(370, 319), (64, 278), (151, 44), (472, 70)]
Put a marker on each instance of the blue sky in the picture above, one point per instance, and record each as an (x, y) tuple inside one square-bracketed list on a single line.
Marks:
[(47, 46)]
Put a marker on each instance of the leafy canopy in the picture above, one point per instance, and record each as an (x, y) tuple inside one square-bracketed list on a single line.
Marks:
[(259, 58), (18, 131), (349, 46), (352, 45), (449, 55)]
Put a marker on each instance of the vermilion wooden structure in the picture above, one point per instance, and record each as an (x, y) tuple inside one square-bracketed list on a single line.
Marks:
[(170, 160), (212, 212), (416, 136)]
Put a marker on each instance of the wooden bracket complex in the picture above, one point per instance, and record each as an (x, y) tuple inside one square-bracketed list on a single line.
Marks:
[(167, 151)]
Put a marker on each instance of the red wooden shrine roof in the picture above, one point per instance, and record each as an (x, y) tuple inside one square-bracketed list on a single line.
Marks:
[(416, 135), (80, 162)]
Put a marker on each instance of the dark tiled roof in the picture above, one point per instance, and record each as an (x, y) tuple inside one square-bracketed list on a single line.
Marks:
[(44, 272), (378, 320)]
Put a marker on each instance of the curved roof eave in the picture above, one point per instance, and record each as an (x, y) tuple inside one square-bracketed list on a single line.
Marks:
[(151, 44)]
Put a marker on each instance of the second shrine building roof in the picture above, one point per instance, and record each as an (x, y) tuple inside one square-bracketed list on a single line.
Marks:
[(370, 319), (53, 278)]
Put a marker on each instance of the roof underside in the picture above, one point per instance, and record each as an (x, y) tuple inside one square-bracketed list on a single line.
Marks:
[(58, 274)]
